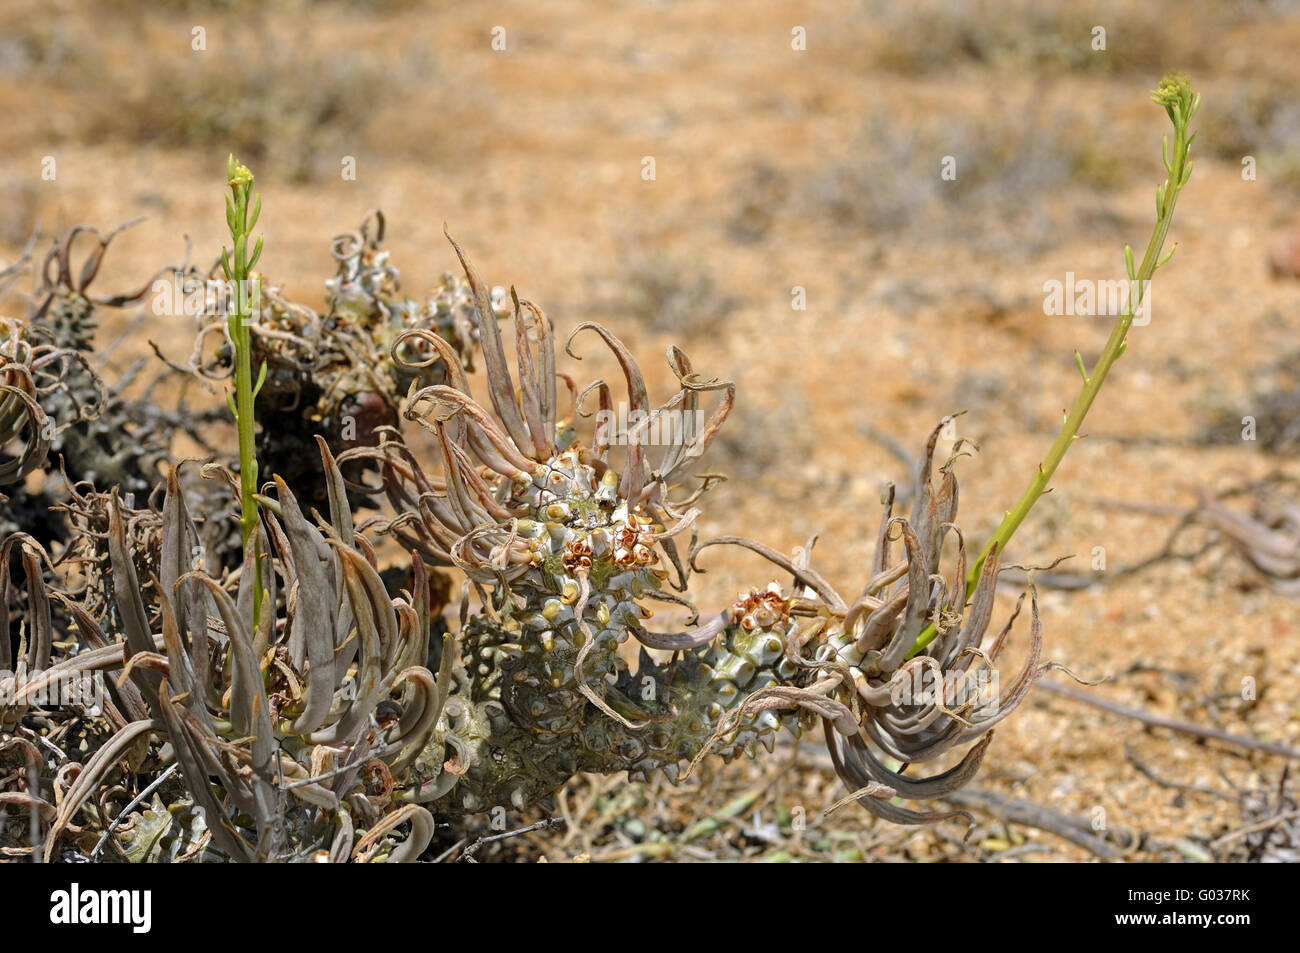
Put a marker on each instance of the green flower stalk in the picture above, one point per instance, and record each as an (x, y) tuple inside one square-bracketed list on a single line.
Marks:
[(245, 283), (1181, 103)]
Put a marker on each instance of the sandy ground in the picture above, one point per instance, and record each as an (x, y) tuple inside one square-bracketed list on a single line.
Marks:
[(776, 168)]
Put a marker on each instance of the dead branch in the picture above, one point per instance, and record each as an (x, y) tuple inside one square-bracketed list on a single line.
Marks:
[(1160, 721)]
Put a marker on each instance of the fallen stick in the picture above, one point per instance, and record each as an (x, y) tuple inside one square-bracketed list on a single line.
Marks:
[(1159, 721), (468, 854), (1146, 771), (1265, 824), (1076, 830)]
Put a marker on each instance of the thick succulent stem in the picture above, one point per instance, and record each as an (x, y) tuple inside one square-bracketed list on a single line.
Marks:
[(517, 737), (1175, 94)]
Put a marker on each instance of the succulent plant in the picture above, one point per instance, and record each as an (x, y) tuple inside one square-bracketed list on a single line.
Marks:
[(86, 432), (289, 737), (28, 360), (570, 553), (880, 696), (37, 409), (273, 692), (336, 375), (103, 437)]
